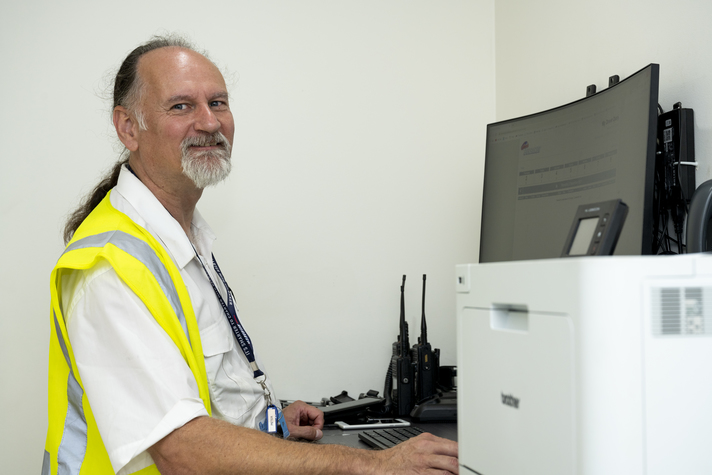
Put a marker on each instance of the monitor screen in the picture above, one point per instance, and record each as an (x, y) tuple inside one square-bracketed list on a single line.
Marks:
[(541, 167)]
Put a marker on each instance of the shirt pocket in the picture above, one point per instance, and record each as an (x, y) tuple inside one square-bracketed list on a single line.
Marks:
[(232, 392)]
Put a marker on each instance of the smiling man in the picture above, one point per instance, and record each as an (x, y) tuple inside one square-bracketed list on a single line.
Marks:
[(151, 370)]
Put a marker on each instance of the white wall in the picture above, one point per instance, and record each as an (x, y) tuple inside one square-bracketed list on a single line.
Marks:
[(360, 131), (548, 51)]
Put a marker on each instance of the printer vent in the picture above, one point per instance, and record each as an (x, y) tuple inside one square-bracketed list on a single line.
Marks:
[(682, 311)]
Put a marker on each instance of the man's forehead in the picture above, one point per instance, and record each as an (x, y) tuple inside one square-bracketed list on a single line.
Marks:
[(168, 67)]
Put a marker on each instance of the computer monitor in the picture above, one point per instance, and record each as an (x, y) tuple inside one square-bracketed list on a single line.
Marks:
[(539, 168)]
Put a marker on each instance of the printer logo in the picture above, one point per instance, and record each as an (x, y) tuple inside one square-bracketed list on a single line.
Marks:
[(509, 400)]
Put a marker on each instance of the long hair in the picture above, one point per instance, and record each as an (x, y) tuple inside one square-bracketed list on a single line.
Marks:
[(128, 89), (91, 200)]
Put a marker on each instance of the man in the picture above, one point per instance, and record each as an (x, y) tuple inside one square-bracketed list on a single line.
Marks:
[(151, 370)]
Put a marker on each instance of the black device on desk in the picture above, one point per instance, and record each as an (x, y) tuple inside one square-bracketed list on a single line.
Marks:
[(412, 379), (440, 407), (431, 404), (426, 360), (350, 410), (400, 389), (386, 438), (351, 438), (595, 229)]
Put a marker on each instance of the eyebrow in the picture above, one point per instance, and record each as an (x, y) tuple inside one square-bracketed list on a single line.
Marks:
[(188, 97)]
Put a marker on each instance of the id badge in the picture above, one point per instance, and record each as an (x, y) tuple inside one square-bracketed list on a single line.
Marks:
[(271, 419), (274, 422)]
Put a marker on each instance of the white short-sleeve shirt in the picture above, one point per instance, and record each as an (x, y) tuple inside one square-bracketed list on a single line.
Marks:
[(139, 387)]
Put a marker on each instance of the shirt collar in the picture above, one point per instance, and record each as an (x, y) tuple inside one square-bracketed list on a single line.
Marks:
[(156, 219)]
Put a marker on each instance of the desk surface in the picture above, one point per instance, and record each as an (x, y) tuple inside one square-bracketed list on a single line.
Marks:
[(334, 435)]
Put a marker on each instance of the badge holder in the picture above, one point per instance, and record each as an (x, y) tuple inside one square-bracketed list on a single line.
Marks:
[(274, 418)]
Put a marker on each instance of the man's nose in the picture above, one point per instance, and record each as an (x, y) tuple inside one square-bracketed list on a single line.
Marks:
[(206, 120)]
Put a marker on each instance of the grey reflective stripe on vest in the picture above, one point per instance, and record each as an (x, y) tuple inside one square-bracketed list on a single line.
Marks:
[(45, 463), (140, 250), (73, 446)]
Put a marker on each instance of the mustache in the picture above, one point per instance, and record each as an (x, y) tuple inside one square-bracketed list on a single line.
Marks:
[(208, 140)]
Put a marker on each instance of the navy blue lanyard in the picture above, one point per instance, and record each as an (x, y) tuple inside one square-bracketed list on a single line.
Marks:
[(274, 418), (231, 313)]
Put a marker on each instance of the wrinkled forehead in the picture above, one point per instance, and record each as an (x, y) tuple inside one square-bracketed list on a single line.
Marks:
[(174, 71)]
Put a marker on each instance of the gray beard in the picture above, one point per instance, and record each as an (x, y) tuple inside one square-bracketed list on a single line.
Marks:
[(206, 168)]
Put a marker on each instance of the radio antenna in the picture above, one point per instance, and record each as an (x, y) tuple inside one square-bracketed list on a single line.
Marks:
[(405, 344), (423, 325)]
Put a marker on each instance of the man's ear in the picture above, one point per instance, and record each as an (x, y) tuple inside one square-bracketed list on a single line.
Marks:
[(126, 128)]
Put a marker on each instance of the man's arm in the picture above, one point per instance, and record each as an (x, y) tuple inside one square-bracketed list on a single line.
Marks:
[(213, 447)]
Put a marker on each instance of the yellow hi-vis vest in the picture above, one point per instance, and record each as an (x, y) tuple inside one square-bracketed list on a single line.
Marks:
[(74, 445)]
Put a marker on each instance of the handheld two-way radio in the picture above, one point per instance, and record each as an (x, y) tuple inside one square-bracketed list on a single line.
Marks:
[(426, 359), (402, 367)]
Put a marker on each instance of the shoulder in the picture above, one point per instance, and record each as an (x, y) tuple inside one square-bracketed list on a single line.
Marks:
[(79, 284)]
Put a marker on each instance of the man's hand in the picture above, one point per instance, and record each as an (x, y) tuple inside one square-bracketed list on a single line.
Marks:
[(419, 455), (304, 421)]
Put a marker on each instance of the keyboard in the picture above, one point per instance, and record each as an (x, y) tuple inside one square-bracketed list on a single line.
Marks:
[(387, 438)]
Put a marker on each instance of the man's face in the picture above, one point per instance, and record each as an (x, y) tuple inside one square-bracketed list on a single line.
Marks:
[(189, 126)]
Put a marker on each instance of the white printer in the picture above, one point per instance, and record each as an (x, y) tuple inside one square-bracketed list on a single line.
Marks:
[(591, 365)]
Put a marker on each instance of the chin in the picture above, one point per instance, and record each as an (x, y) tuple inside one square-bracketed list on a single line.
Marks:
[(207, 169)]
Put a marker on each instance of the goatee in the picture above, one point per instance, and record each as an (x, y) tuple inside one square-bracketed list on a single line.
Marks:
[(206, 167)]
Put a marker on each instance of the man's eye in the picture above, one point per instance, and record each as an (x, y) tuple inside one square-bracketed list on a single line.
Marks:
[(179, 107), (218, 104)]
